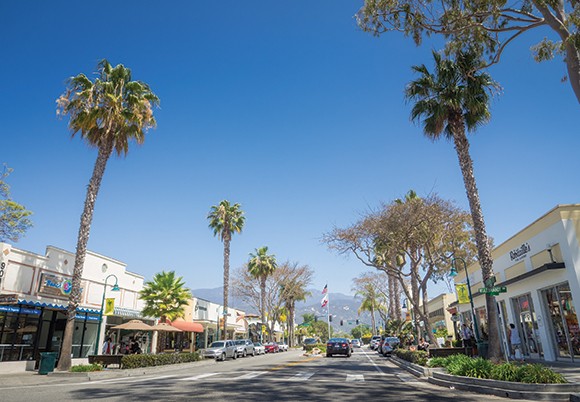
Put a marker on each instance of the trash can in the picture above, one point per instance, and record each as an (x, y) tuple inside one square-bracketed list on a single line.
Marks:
[(47, 362), (482, 347)]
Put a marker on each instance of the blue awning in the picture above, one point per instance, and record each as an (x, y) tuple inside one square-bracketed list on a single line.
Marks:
[(56, 306)]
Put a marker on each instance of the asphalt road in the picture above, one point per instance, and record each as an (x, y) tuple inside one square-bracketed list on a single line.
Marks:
[(287, 376)]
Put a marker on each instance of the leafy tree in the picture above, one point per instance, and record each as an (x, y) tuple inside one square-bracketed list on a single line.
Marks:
[(486, 26), (360, 330), (261, 266), (308, 317), (372, 289), (225, 220), (165, 297), (294, 281), (453, 99), (109, 113), (14, 217)]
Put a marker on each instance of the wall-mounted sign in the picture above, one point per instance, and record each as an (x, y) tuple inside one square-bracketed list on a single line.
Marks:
[(55, 285), (9, 299), (520, 252)]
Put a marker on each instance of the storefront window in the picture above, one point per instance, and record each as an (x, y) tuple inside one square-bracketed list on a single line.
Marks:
[(565, 330), (18, 327)]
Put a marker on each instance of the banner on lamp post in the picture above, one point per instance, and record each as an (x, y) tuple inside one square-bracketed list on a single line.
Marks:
[(109, 306), (462, 293)]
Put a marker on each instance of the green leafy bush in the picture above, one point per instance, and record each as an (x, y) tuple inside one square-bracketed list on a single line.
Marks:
[(414, 356), (505, 372), (366, 339), (458, 364), (479, 368), (538, 374), (136, 361), (321, 346), (84, 368), (437, 362)]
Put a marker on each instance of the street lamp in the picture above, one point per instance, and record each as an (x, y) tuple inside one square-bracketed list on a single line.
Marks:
[(452, 274), (115, 288)]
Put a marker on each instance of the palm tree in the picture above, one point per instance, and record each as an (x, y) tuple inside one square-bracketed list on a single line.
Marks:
[(226, 219), (165, 297), (292, 289), (453, 99), (260, 266), (368, 303), (109, 113)]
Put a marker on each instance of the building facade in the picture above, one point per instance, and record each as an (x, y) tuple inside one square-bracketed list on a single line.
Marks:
[(34, 293), (539, 267)]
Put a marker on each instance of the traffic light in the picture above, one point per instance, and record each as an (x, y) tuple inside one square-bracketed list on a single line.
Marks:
[(315, 319), (341, 322), (330, 318), (357, 321)]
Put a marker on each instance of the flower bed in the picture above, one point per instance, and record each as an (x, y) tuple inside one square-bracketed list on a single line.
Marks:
[(84, 368)]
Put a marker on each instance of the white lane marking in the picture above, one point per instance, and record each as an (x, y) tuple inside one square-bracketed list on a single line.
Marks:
[(251, 374), (355, 377), (303, 376), (381, 372), (198, 377), (126, 380)]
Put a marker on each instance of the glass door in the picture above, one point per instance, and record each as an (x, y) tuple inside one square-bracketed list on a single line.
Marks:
[(527, 325), (565, 330)]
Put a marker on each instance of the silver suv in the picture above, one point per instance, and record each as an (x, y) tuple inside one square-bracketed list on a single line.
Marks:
[(375, 340), (245, 347), (220, 350)]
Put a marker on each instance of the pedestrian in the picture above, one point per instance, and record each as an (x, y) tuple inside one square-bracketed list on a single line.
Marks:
[(107, 348), (466, 336), (516, 343)]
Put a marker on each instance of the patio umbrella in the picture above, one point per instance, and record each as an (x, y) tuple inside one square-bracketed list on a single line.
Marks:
[(163, 326), (135, 325)]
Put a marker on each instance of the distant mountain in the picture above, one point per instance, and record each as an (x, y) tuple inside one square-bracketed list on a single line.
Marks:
[(342, 307)]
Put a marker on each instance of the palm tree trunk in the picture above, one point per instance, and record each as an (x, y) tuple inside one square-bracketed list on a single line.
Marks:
[(481, 239), (373, 323), (227, 239), (291, 323), (263, 299), (64, 361)]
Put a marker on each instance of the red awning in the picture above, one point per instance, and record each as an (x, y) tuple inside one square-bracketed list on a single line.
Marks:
[(187, 326)]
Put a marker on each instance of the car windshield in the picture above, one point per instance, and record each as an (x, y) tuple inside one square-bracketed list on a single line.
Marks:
[(217, 345), (257, 344), (309, 340), (337, 340), (240, 343)]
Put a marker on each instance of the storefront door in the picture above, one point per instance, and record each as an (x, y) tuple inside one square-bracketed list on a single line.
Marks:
[(527, 325), (564, 321)]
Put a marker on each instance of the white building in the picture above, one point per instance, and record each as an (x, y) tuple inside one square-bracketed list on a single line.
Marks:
[(540, 269), (34, 296)]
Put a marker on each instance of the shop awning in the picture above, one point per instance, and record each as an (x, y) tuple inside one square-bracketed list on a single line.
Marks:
[(183, 325), (57, 306)]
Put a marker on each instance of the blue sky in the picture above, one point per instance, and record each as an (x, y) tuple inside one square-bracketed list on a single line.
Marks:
[(286, 108)]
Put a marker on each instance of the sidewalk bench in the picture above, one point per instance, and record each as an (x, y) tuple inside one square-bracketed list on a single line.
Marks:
[(444, 352), (105, 360)]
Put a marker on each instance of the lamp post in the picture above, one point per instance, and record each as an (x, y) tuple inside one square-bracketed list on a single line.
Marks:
[(115, 288), (452, 274)]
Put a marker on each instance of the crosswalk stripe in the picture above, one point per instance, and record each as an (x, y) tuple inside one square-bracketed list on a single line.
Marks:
[(355, 377), (198, 377), (251, 374), (303, 376), (127, 380)]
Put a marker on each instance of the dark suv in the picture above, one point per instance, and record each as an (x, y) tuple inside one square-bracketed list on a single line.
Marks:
[(338, 346)]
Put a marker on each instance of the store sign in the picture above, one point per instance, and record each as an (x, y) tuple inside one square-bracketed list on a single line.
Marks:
[(9, 299), (55, 285), (520, 252), (13, 309)]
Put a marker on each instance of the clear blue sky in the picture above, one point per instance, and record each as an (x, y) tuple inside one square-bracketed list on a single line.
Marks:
[(286, 108)]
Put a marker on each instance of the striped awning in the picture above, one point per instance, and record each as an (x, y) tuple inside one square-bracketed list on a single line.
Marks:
[(56, 306), (127, 312)]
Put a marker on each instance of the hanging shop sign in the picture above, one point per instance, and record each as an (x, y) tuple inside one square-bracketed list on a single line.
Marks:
[(9, 299), (55, 285)]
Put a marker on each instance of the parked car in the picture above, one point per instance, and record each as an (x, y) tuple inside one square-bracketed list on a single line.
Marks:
[(338, 346), (221, 350), (283, 347), (386, 348), (259, 348), (245, 347), (309, 341), (272, 347), (356, 343), (374, 342), (393, 341)]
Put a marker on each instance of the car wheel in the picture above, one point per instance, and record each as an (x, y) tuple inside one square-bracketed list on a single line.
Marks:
[(245, 353), (253, 352), (348, 355), (223, 357), (235, 356), (328, 355)]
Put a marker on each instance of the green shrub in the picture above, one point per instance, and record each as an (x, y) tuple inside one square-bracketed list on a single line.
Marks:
[(419, 357), (538, 374), (321, 346), (505, 372), (479, 368), (83, 368), (366, 339), (437, 362), (136, 361), (458, 364)]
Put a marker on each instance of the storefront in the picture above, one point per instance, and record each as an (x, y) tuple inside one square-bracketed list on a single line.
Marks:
[(540, 270), (34, 291)]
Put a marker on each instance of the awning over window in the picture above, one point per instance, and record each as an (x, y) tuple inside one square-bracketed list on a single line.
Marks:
[(187, 326), (57, 306)]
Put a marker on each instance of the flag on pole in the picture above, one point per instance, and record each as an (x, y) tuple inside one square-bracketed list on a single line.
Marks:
[(325, 289), (324, 301), (109, 306), (462, 293)]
